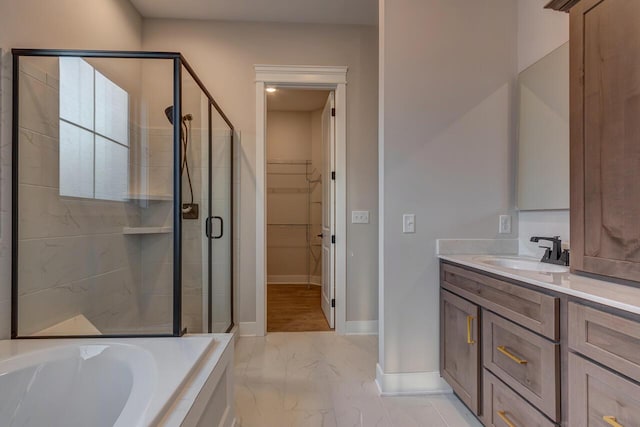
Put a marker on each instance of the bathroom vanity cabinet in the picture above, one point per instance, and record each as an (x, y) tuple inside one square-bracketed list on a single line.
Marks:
[(605, 134), (604, 367), (460, 358), (518, 355)]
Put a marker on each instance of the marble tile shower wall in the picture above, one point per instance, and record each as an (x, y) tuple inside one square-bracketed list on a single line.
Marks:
[(74, 258), (157, 262), (194, 266), (156, 172)]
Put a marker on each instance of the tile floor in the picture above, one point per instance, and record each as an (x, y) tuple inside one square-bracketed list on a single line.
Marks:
[(312, 379)]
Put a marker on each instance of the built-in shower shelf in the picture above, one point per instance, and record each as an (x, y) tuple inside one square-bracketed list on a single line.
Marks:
[(152, 197), (146, 230)]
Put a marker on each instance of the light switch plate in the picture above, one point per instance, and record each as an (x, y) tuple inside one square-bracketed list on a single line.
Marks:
[(360, 217), (505, 224), (409, 223)]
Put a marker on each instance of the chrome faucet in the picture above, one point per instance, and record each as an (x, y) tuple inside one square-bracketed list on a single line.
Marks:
[(555, 254)]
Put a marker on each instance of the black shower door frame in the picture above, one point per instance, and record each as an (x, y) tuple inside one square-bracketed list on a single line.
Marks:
[(178, 63)]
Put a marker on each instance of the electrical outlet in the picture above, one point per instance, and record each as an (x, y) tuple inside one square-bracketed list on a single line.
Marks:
[(409, 223), (505, 224), (360, 217)]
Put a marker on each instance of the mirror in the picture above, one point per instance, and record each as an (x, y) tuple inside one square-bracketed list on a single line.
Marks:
[(543, 134)]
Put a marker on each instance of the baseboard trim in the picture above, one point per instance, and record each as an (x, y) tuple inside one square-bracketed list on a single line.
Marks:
[(299, 279), (362, 327), (247, 329), (294, 283), (411, 383)]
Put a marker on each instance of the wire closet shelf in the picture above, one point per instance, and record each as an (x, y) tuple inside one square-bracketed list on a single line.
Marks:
[(287, 173)]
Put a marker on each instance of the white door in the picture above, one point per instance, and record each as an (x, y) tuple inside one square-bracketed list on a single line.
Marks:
[(328, 211)]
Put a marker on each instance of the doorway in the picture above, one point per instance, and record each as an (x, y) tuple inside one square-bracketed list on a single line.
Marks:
[(327, 78), (300, 145)]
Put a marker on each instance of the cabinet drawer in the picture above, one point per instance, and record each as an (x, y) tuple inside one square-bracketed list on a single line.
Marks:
[(606, 338), (502, 406), (531, 309), (597, 395), (526, 362)]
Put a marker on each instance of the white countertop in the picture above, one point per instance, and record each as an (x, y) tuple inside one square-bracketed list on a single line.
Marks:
[(611, 294)]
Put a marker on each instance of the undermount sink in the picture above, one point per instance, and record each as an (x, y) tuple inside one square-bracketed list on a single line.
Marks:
[(523, 264)]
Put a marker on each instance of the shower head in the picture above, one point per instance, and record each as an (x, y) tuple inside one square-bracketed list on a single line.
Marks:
[(169, 113)]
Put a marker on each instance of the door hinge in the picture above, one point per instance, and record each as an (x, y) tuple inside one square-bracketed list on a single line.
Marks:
[(333, 303), (333, 112), (333, 239), (333, 175)]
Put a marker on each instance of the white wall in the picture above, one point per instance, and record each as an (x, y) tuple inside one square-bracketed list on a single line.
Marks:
[(68, 24), (540, 31), (223, 54), (448, 72)]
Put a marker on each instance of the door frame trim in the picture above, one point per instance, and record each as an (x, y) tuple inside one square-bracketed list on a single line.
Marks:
[(302, 77)]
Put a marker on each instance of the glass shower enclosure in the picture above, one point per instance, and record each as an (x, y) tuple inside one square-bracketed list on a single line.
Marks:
[(122, 197)]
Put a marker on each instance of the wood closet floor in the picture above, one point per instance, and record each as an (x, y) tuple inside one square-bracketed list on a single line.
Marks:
[(294, 308)]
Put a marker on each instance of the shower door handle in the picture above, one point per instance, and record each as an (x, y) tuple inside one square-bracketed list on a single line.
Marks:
[(208, 230), (219, 236), (207, 227)]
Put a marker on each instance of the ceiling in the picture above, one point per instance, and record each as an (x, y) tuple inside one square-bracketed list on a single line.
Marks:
[(361, 12), (296, 100)]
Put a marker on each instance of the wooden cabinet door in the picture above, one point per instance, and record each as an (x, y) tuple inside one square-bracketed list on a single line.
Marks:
[(599, 397), (459, 348), (605, 138)]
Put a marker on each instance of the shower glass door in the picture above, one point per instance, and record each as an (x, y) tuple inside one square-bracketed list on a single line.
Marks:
[(206, 213), (221, 242), (196, 193)]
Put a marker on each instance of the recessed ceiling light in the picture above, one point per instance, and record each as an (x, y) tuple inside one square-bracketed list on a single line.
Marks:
[(271, 89)]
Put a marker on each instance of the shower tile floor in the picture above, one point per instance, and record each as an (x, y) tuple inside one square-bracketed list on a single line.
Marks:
[(311, 379)]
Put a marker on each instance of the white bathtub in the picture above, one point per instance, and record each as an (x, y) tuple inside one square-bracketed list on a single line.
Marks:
[(106, 382)]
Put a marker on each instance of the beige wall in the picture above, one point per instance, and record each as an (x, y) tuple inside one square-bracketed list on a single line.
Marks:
[(68, 24), (290, 137), (447, 70), (540, 31), (223, 54)]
